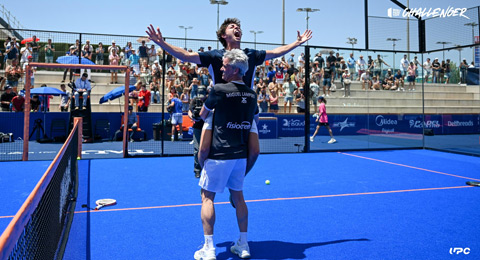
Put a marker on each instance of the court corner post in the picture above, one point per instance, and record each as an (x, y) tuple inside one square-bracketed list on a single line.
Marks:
[(125, 113), (26, 115), (79, 121)]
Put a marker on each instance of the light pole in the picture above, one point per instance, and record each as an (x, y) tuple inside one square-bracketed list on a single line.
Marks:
[(443, 47), (352, 41), (473, 24), (459, 54), (393, 40), (186, 28), (218, 3), (255, 37), (307, 10)]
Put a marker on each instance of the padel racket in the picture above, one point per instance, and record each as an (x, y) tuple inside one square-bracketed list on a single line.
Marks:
[(104, 202), (473, 183)]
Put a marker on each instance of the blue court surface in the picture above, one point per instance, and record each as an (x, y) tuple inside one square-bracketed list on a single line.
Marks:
[(408, 204)]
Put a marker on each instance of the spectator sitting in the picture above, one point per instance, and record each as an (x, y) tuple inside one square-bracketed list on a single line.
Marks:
[(399, 80), (131, 122), (143, 99), (18, 103), (6, 98), (376, 83), (35, 103), (155, 93), (82, 87), (365, 78)]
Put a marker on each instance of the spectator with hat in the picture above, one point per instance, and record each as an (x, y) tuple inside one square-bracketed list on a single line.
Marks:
[(113, 47), (18, 103)]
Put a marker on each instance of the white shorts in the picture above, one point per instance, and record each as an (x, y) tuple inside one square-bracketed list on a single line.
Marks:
[(218, 174), (177, 118)]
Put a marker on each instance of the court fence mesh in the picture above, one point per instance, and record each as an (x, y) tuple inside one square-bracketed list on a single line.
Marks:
[(40, 229)]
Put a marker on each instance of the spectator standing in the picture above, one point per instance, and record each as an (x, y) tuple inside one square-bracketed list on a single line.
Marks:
[(113, 47), (87, 54), (49, 51), (288, 88), (378, 63), (71, 52), (32, 74), (291, 60), (14, 73), (427, 65), (152, 54), (351, 65), (134, 61), (347, 81), (99, 51), (263, 100), (128, 51), (143, 53), (300, 99), (35, 48), (327, 79), (314, 91), (114, 60), (362, 66), (436, 71), (185, 98), (12, 53), (463, 72), (411, 76), (273, 102), (177, 117), (448, 71), (404, 65), (25, 52)]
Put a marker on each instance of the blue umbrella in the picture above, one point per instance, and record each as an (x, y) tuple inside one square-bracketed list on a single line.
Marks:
[(115, 93), (73, 60), (47, 91)]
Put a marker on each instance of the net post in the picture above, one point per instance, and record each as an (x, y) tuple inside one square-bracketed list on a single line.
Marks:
[(79, 121), (26, 114), (125, 113)]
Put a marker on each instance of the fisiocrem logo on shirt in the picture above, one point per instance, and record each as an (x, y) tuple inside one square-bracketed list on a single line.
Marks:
[(245, 125)]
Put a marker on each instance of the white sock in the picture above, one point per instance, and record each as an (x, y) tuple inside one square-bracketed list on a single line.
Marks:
[(243, 238), (208, 241)]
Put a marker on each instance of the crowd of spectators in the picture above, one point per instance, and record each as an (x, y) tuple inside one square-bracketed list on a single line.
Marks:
[(278, 80)]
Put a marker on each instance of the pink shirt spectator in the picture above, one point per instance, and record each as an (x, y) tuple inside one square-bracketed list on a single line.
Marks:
[(113, 59), (322, 111)]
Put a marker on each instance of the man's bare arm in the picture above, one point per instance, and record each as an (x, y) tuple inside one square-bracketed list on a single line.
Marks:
[(282, 50), (179, 53), (253, 151), (204, 148)]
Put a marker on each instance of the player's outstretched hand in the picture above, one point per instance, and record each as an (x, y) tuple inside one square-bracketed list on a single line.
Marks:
[(155, 36), (307, 35)]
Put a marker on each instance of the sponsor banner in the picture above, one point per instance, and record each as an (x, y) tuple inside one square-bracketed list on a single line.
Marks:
[(291, 125), (267, 128), (461, 124)]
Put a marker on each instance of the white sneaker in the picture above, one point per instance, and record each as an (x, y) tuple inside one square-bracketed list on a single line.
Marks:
[(332, 141), (311, 138), (173, 138), (242, 251), (205, 254), (180, 137), (328, 95), (191, 142)]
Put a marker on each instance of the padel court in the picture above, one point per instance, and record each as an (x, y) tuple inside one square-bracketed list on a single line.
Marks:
[(408, 204)]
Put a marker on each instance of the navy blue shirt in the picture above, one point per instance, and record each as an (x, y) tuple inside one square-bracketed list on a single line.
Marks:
[(235, 106), (213, 61)]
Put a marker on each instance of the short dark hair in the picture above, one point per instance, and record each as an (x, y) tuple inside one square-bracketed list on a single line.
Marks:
[(223, 27)]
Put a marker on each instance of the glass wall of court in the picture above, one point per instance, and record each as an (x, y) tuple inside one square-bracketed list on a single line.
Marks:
[(415, 117)]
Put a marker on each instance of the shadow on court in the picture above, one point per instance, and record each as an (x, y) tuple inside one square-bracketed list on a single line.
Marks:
[(274, 249)]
